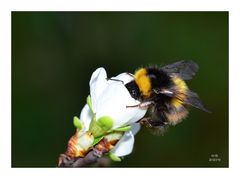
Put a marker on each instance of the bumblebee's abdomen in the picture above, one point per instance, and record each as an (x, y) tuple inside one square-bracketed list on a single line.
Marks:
[(176, 115), (180, 92)]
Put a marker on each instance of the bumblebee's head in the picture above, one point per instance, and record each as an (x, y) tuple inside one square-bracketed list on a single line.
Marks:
[(133, 89)]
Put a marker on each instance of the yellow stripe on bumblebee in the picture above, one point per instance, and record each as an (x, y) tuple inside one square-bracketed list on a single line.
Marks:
[(143, 82), (181, 88)]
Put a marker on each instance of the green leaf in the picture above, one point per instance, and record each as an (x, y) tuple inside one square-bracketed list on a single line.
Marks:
[(113, 157), (89, 102), (123, 129), (77, 123), (97, 140)]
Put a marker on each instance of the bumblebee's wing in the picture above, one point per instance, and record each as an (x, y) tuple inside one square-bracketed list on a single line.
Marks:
[(193, 100), (184, 69)]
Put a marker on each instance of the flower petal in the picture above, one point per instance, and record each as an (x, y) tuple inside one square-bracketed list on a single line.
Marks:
[(124, 145), (135, 127), (126, 78), (139, 115), (113, 103), (86, 117), (97, 84)]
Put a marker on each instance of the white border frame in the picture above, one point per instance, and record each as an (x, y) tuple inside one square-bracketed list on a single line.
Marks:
[(120, 5)]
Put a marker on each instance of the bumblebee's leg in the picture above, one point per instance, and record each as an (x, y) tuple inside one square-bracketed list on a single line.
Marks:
[(146, 122), (143, 105), (149, 122)]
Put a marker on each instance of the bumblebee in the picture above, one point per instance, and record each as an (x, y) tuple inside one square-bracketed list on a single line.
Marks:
[(164, 91)]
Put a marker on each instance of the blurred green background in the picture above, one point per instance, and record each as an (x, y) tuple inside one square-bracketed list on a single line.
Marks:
[(55, 53)]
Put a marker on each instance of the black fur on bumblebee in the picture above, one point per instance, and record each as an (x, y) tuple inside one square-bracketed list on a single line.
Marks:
[(165, 92)]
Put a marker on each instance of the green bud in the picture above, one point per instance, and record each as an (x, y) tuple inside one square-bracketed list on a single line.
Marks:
[(113, 157), (105, 122), (77, 123), (89, 102)]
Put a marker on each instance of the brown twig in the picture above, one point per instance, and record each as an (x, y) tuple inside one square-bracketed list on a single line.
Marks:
[(89, 159), (94, 156)]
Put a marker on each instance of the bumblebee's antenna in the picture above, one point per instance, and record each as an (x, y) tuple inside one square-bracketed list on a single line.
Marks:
[(115, 80), (130, 74)]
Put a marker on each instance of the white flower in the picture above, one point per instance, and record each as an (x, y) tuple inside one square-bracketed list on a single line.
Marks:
[(110, 98), (106, 115), (124, 145)]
